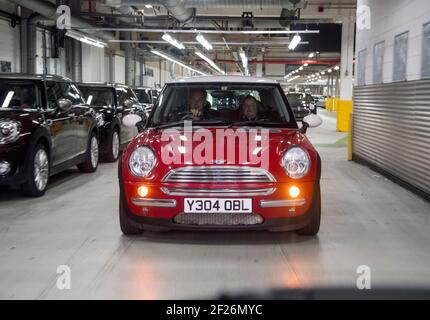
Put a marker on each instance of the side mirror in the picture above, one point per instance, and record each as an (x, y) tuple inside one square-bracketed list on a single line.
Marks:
[(131, 120), (64, 105), (310, 121)]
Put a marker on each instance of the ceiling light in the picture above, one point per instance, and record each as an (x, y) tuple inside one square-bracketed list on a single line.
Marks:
[(148, 6), (295, 42), (301, 68), (167, 57), (168, 38), (85, 39), (336, 68), (329, 71), (323, 73), (306, 64), (311, 55), (210, 61), (202, 40)]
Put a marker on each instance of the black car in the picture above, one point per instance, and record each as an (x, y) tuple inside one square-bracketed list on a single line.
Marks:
[(302, 104), (45, 128), (144, 95), (111, 103)]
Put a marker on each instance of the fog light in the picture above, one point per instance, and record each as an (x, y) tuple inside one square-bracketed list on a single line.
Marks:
[(294, 192), (142, 191), (4, 168)]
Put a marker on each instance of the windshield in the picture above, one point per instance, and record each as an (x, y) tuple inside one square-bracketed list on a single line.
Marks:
[(100, 97), (295, 99), (144, 95), (222, 103), (17, 95)]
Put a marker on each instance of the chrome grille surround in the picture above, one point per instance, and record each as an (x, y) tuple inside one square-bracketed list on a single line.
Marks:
[(195, 192), (218, 219), (219, 174)]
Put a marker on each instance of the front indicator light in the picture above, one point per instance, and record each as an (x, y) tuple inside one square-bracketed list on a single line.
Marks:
[(294, 192), (142, 191)]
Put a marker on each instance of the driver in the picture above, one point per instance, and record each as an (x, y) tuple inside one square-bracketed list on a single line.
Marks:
[(249, 109), (198, 103)]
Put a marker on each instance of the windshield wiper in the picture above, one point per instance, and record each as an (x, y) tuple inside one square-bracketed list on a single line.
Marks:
[(262, 122)]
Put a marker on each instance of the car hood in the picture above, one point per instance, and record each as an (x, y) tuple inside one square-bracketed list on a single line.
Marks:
[(253, 147)]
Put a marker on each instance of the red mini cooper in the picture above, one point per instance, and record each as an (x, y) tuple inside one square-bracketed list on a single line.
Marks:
[(220, 153)]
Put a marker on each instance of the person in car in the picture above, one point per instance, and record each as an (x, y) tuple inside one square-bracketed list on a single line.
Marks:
[(198, 104), (249, 109)]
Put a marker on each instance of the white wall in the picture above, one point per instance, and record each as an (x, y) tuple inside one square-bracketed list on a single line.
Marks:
[(93, 64), (388, 19), (119, 69), (10, 45)]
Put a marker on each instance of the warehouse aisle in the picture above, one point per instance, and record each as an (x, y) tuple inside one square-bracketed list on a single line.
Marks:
[(367, 220)]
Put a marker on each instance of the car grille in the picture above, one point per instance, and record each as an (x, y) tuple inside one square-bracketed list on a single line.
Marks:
[(218, 192), (218, 219), (219, 174)]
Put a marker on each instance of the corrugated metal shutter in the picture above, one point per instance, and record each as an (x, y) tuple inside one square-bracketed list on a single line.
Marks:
[(391, 129)]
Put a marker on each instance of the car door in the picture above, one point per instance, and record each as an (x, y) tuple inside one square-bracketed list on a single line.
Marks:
[(61, 126), (80, 116), (127, 133)]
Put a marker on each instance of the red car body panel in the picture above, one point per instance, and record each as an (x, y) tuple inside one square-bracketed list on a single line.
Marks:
[(280, 140)]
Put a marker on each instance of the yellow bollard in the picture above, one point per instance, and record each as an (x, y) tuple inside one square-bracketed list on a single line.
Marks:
[(343, 115)]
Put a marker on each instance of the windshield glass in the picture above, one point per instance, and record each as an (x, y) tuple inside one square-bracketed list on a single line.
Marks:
[(222, 103), (100, 97), (295, 99), (17, 95), (144, 95)]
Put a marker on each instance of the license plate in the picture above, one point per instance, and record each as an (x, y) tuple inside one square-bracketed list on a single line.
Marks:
[(210, 205)]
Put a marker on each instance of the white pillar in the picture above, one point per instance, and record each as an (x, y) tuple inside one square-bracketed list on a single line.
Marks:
[(259, 71), (347, 56)]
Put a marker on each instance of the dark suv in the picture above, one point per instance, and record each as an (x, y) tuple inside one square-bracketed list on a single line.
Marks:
[(302, 104), (45, 128), (111, 103)]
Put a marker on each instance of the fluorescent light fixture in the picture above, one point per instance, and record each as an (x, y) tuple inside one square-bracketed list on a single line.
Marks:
[(244, 58), (301, 68), (167, 57), (311, 55), (148, 6), (306, 64), (202, 40), (85, 39), (210, 62), (168, 38), (295, 42), (323, 73), (329, 71), (336, 68)]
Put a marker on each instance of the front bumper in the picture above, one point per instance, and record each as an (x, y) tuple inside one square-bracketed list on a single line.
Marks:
[(16, 156), (160, 209)]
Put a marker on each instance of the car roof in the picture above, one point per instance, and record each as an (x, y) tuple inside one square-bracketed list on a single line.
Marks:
[(26, 76), (101, 85), (224, 79)]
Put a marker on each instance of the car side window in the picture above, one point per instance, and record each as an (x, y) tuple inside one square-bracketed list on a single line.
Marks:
[(71, 92), (51, 94)]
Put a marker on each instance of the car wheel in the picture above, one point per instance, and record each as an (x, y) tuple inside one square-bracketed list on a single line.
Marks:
[(92, 156), (114, 144), (38, 173), (312, 228), (126, 227)]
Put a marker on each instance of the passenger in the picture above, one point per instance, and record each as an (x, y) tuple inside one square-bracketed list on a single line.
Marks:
[(198, 104), (249, 109)]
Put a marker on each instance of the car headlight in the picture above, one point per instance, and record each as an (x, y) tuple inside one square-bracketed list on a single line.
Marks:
[(9, 131), (296, 162), (141, 162), (100, 119)]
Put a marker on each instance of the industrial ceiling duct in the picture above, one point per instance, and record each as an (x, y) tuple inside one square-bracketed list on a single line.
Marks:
[(49, 11), (245, 4)]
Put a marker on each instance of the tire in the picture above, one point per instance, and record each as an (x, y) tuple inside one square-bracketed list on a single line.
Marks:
[(126, 227), (90, 164), (312, 228), (114, 145), (37, 173)]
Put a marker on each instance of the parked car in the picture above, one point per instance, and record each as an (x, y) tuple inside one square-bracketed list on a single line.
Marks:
[(155, 95), (45, 128), (320, 101), (302, 104), (144, 95), (112, 102), (166, 182)]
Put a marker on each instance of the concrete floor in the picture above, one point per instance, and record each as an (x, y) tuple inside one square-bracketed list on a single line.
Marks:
[(367, 220)]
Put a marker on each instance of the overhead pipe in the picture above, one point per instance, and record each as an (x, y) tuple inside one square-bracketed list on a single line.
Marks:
[(284, 61), (175, 7), (49, 11), (245, 4)]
